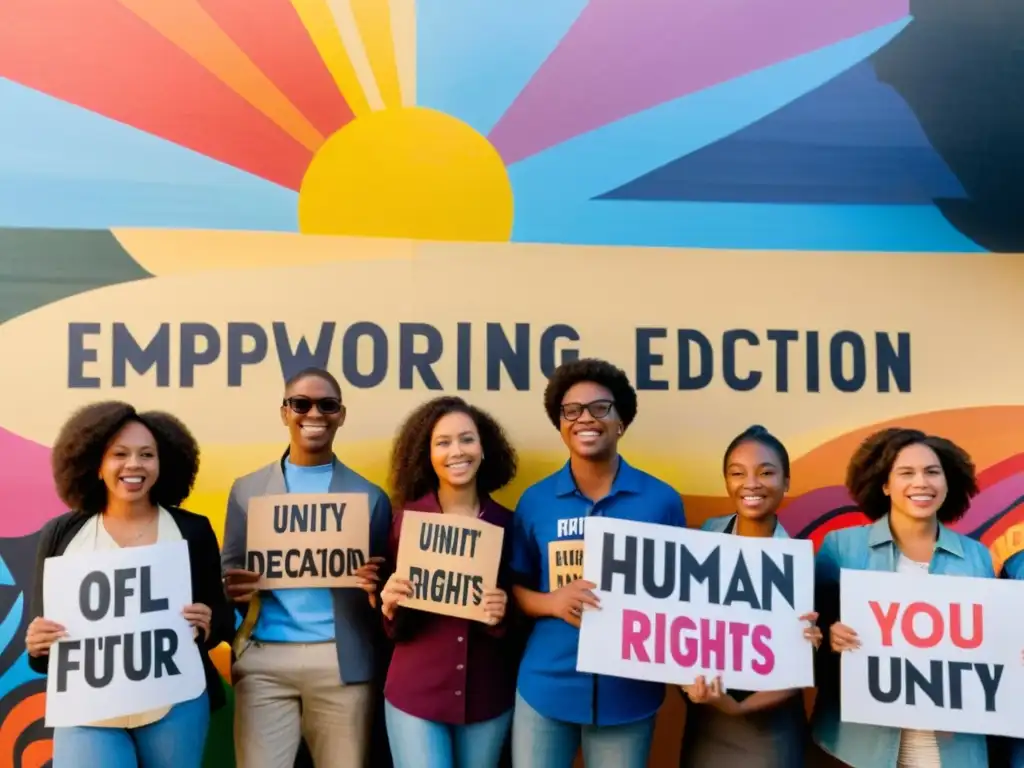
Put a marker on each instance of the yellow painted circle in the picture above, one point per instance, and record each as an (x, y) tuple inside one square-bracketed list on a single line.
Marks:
[(407, 173)]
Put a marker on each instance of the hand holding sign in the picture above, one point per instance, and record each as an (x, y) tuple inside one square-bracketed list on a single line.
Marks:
[(714, 694), (395, 591), (199, 616), (240, 585), (494, 602), (41, 634), (843, 638), (567, 602)]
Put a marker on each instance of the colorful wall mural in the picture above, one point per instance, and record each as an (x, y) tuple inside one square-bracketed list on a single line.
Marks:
[(804, 214)]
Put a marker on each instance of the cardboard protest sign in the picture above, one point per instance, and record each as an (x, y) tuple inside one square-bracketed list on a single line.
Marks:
[(938, 653), (678, 603), (308, 539), (450, 560), (129, 649)]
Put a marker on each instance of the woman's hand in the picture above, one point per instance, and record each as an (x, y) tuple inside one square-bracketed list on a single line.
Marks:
[(240, 584), (843, 638), (812, 632), (714, 694), (199, 616), (494, 604), (395, 590), (41, 634), (566, 603)]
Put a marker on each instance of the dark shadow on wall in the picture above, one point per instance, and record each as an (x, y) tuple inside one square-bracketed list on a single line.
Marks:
[(960, 67)]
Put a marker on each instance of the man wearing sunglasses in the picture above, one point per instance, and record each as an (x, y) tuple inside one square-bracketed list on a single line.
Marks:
[(304, 658)]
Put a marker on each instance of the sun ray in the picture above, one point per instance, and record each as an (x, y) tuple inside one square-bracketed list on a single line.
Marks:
[(373, 19), (319, 21), (403, 31), (191, 28), (63, 166), (351, 38)]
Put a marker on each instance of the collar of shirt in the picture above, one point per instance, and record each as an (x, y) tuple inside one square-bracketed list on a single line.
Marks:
[(627, 480), (880, 535)]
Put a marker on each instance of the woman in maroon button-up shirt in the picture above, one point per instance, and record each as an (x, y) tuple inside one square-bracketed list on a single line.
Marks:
[(451, 684)]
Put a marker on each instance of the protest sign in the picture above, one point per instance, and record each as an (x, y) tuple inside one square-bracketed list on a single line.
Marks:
[(937, 653), (678, 603), (450, 561), (565, 562), (128, 649), (308, 539)]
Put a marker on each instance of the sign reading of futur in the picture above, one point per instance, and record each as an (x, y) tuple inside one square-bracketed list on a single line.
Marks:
[(308, 539), (450, 560), (129, 649)]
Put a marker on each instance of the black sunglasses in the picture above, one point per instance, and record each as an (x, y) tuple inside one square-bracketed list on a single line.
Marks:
[(326, 405), (599, 409)]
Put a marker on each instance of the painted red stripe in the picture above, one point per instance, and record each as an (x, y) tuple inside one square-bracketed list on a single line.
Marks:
[(281, 47), (98, 55)]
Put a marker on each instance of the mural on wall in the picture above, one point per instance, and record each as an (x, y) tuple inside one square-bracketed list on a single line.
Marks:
[(178, 163)]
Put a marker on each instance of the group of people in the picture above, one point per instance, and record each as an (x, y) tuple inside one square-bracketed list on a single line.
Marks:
[(307, 663)]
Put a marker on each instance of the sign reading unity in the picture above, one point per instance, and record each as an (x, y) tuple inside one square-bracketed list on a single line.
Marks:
[(308, 539), (938, 653), (450, 561), (678, 603), (128, 649)]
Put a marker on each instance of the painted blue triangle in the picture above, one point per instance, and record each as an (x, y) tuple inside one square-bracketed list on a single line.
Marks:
[(851, 141)]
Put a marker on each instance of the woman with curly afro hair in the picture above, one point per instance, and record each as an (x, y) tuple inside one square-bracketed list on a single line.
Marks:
[(451, 683), (912, 486), (558, 709), (123, 474)]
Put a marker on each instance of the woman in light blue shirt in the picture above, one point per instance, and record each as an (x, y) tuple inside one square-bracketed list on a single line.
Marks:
[(912, 485), (763, 729)]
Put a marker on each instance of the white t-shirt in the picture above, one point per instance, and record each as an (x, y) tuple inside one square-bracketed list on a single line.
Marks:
[(918, 749)]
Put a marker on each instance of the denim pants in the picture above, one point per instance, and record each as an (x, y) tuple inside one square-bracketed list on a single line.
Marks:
[(540, 742), (176, 740), (419, 743)]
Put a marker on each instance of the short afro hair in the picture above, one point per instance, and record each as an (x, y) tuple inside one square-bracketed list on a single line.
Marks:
[(412, 474), (314, 373), (612, 378), (78, 454), (872, 463)]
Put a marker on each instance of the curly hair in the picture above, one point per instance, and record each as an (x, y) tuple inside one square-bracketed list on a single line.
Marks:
[(872, 463), (758, 434), (612, 378), (412, 474), (78, 454)]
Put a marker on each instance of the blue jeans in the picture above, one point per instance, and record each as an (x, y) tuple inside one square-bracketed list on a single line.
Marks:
[(176, 740), (419, 743), (540, 742)]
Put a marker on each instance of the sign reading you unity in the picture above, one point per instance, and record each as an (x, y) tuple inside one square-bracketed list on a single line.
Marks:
[(128, 649), (937, 653), (308, 539), (450, 560), (678, 603)]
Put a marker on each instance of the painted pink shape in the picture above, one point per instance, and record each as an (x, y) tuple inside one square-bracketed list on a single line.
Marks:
[(27, 497), (625, 56)]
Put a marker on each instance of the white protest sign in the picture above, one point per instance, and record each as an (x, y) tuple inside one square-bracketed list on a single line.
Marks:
[(937, 653), (678, 603), (128, 649)]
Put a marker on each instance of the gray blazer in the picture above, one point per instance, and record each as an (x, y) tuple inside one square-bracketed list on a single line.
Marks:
[(355, 621)]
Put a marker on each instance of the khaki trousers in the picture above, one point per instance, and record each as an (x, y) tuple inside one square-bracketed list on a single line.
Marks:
[(286, 691)]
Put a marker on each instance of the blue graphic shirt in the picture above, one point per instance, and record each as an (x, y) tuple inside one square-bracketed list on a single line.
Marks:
[(547, 542), (303, 615)]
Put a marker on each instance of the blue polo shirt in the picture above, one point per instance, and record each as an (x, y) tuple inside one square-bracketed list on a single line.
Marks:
[(553, 511)]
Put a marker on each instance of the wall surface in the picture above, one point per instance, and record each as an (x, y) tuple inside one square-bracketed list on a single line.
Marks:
[(799, 213)]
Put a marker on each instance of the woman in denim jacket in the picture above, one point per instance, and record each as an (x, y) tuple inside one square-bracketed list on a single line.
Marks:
[(912, 485)]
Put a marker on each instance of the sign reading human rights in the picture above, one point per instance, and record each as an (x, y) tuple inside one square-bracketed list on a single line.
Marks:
[(308, 539), (128, 648), (451, 561), (679, 603), (939, 653)]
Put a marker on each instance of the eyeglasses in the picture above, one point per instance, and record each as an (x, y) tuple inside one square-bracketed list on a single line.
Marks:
[(326, 405), (599, 409)]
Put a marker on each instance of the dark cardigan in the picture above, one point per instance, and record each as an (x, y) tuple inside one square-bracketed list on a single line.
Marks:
[(207, 588)]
